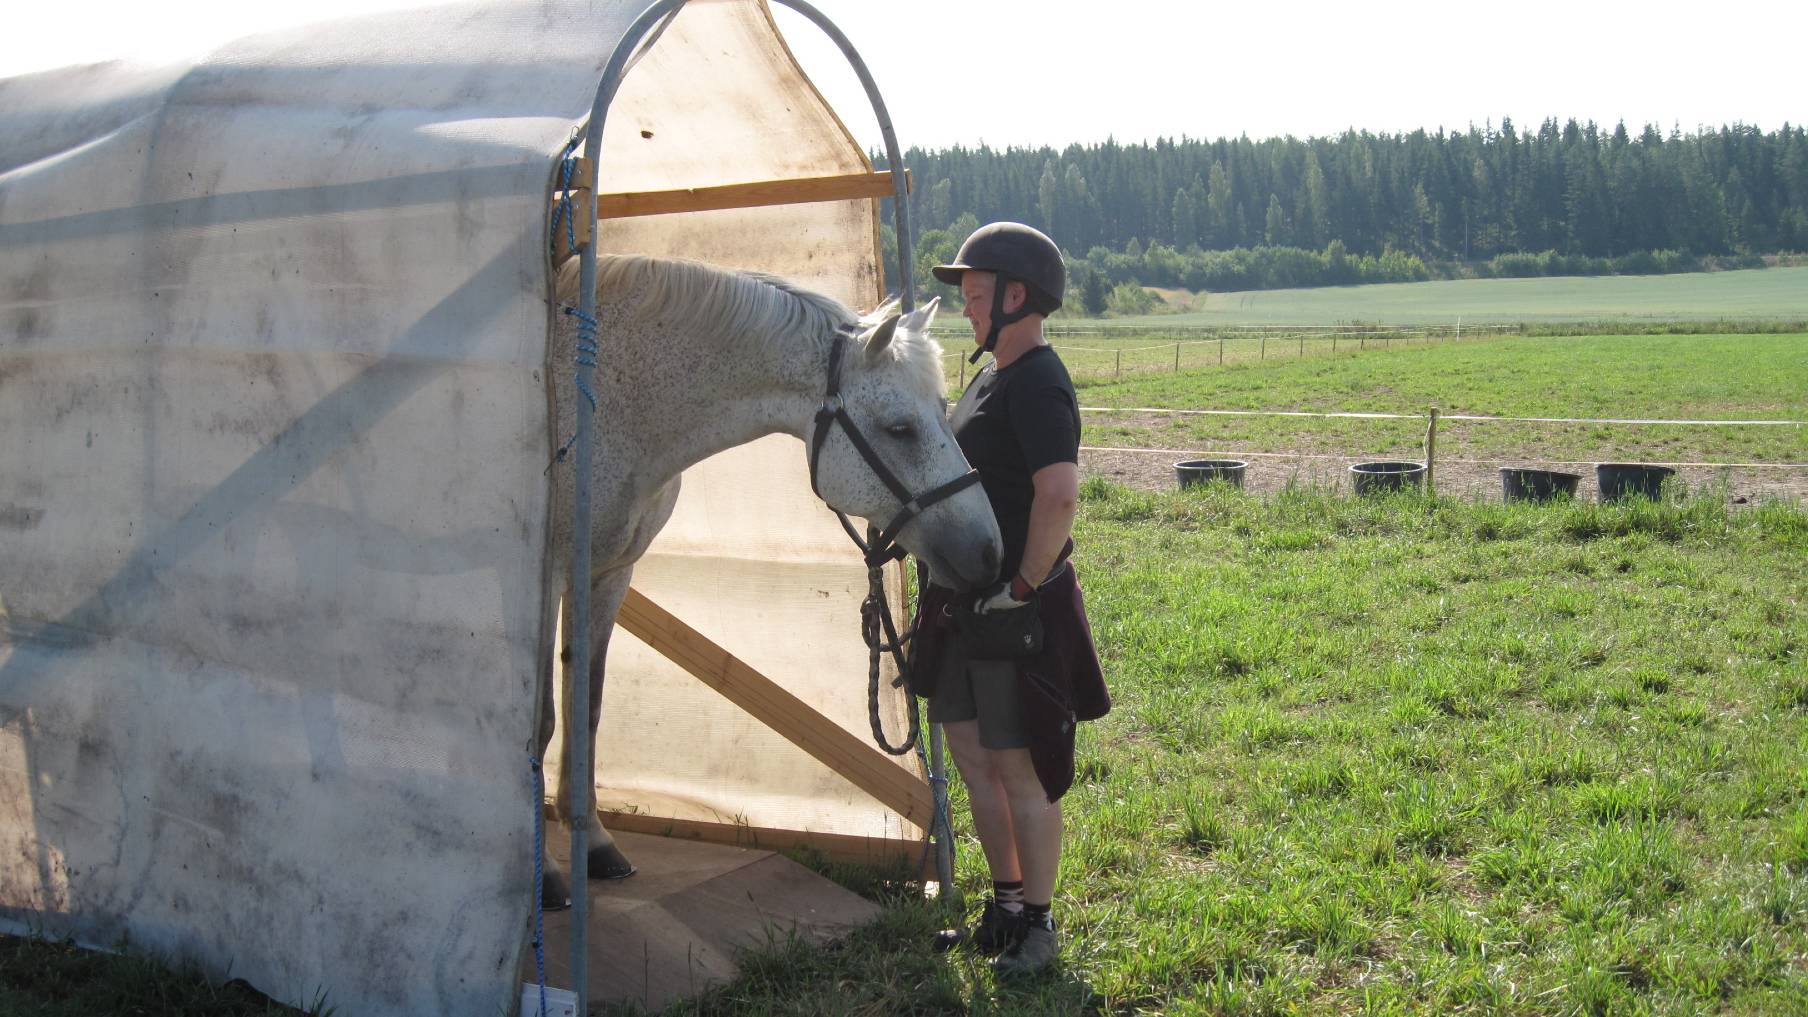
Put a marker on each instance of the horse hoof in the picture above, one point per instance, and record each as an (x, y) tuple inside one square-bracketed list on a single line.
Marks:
[(555, 893), (607, 862)]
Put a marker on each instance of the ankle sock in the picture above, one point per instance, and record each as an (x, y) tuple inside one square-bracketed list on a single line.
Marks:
[(1038, 914), (1008, 896)]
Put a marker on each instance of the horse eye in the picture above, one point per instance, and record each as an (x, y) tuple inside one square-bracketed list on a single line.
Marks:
[(904, 431)]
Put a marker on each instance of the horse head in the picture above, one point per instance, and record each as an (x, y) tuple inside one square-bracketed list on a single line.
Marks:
[(888, 395)]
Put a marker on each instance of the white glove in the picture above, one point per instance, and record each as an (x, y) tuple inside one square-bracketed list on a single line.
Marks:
[(1003, 597)]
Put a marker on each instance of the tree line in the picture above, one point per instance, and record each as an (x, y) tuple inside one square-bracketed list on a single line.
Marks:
[(1361, 207)]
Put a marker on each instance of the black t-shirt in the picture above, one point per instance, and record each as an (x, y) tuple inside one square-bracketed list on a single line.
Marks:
[(1010, 424)]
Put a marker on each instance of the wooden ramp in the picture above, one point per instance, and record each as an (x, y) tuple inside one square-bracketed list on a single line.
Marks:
[(672, 930)]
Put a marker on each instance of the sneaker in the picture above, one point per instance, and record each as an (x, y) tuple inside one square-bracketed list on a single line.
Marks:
[(998, 930), (1033, 952)]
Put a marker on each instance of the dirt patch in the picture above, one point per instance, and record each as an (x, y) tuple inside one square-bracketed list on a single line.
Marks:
[(1153, 470)]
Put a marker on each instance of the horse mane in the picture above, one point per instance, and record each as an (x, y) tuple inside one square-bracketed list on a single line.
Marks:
[(702, 299)]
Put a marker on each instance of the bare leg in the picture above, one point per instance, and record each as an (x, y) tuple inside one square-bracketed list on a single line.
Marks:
[(1036, 822), (988, 799), (1019, 828)]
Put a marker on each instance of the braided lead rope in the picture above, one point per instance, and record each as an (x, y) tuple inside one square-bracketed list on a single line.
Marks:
[(876, 627)]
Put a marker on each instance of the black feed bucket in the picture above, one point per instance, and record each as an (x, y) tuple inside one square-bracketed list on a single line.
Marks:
[(1200, 471), (1537, 485), (1379, 478), (1621, 480)]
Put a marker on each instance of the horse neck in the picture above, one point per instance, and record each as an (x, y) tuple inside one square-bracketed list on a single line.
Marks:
[(715, 392)]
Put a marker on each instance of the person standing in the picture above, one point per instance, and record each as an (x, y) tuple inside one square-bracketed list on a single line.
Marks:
[(1009, 714)]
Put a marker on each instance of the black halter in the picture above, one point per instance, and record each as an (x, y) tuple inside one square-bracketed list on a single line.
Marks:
[(876, 626), (882, 546)]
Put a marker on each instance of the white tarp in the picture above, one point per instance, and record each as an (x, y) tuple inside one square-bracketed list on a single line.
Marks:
[(272, 498)]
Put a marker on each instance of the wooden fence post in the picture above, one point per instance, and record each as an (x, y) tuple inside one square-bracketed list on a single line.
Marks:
[(1176, 357), (1118, 372), (1264, 354), (1431, 453), (1220, 351)]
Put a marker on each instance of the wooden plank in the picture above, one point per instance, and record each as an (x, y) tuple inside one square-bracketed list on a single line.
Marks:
[(847, 186), (836, 847), (864, 765), (581, 227)]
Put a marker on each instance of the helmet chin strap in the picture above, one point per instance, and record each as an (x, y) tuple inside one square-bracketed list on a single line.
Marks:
[(999, 318)]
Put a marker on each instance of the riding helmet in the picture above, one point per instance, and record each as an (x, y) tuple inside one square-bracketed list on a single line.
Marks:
[(1014, 251)]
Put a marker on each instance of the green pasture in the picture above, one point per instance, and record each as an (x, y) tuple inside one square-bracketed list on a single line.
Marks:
[(1745, 294), (1668, 377), (1407, 757)]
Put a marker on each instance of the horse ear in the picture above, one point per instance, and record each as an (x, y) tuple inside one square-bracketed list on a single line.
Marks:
[(919, 319), (880, 335)]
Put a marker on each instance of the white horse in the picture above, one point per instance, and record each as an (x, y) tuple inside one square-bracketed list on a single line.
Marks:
[(695, 360)]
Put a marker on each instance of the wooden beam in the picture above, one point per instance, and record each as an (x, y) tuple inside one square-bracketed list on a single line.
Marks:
[(847, 186), (580, 228), (836, 847), (864, 765)]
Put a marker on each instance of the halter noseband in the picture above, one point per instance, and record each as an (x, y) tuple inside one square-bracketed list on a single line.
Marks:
[(883, 546)]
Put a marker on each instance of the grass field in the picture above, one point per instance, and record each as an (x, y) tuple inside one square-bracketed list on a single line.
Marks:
[(1727, 377), (1410, 758), (1751, 293)]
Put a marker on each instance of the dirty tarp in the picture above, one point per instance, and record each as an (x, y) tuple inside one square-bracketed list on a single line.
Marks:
[(272, 501)]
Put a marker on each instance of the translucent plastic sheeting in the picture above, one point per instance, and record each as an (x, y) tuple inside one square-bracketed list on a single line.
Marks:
[(272, 496), (756, 563)]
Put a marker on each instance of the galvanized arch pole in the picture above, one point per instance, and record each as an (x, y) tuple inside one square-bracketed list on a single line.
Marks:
[(582, 802), (900, 206), (641, 33)]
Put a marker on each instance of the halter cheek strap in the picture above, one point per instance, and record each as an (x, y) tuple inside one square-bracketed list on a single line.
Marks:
[(883, 546), (876, 626)]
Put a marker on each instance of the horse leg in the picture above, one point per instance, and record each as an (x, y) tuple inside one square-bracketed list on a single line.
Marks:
[(606, 593), (555, 889)]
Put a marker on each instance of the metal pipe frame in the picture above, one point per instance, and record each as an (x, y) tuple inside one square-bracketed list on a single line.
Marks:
[(640, 34)]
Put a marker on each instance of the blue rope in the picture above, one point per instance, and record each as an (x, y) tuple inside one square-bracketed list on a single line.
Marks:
[(586, 358), (563, 210), (587, 326), (539, 876), (586, 349)]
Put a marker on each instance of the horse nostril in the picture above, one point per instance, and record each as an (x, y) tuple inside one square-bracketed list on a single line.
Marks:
[(989, 558)]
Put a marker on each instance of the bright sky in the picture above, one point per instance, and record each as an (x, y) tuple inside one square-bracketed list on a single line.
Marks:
[(1138, 69)]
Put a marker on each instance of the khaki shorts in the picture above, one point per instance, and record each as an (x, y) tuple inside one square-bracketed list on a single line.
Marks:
[(983, 690)]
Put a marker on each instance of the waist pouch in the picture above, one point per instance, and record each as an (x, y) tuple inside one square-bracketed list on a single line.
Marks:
[(1000, 635)]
